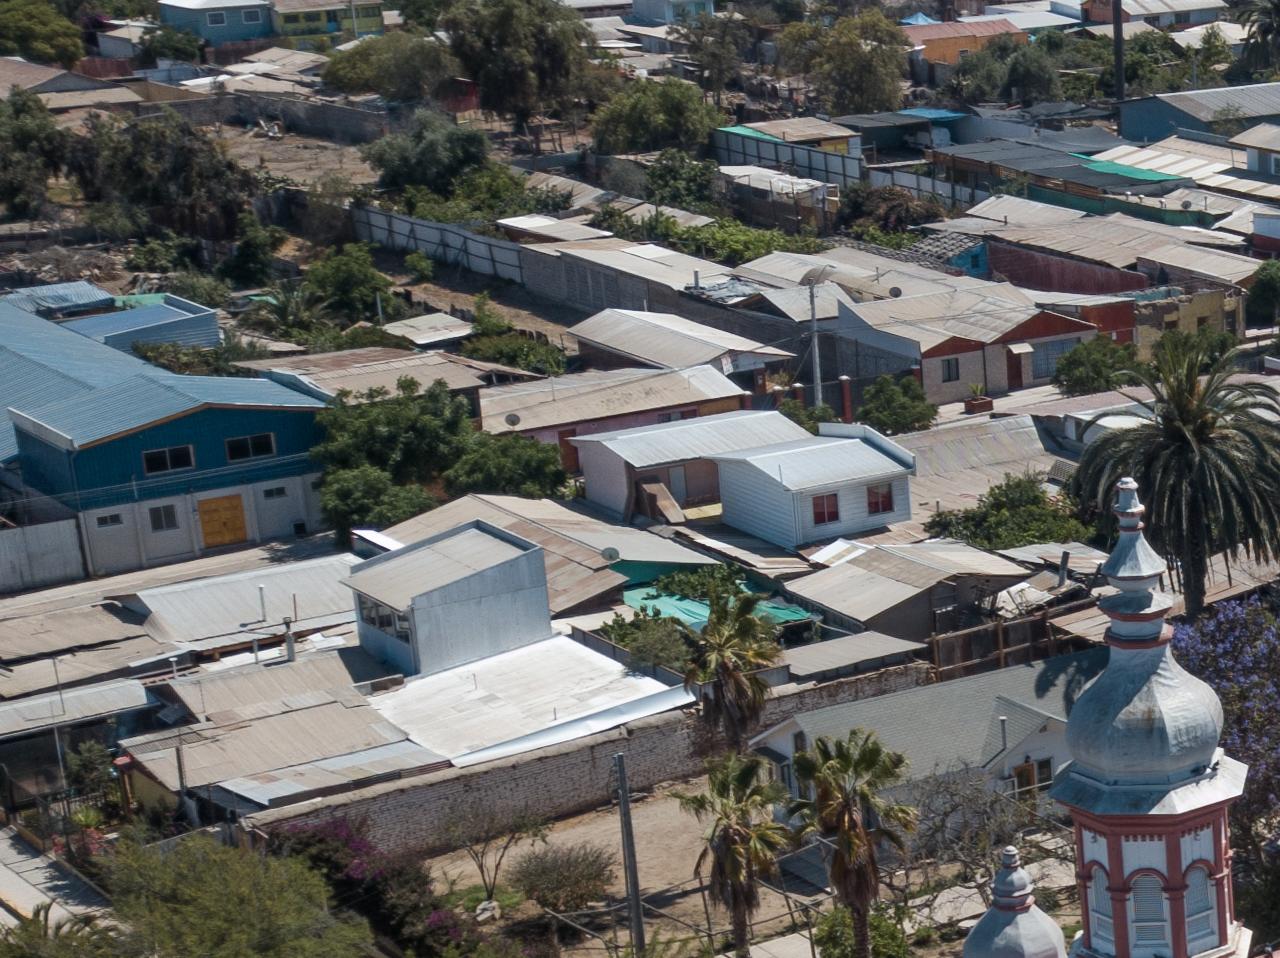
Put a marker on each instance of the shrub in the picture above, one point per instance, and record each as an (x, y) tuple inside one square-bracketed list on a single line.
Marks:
[(421, 266), (565, 878)]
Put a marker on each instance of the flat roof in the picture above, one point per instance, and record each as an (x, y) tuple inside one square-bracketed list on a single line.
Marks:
[(380, 367), (510, 695), (430, 329), (815, 661), (800, 129)]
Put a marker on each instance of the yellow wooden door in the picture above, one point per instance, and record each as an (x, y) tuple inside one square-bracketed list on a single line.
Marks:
[(222, 521)]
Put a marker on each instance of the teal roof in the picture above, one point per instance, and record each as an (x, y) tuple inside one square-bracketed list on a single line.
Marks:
[(1133, 172), (926, 113), (693, 612), (747, 131)]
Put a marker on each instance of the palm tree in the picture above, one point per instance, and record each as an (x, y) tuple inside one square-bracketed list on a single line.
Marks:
[(1206, 459), (38, 936), (734, 644), (291, 306), (846, 780), (742, 839), (1262, 19)]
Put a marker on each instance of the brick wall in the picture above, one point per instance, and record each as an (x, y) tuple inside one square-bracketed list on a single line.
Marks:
[(562, 779)]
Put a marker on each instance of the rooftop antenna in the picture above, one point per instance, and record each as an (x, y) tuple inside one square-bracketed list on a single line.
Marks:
[(262, 602)]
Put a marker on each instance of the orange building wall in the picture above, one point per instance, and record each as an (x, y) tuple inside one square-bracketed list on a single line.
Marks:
[(947, 49)]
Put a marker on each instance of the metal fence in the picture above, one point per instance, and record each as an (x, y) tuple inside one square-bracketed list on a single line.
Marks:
[(917, 184), (443, 242), (734, 149)]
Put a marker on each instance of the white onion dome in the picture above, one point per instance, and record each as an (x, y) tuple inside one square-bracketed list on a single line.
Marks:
[(1146, 719), (1013, 926)]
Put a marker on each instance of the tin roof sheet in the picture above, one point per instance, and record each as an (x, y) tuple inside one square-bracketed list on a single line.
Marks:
[(430, 329), (77, 296), (1250, 100), (1211, 166), (664, 339), (72, 706), (1208, 264), (598, 395), (800, 129), (817, 660), (937, 31), (1264, 136), (983, 314), (698, 438), (800, 464)]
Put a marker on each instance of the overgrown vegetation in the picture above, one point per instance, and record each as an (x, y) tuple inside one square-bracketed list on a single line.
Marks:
[(725, 241), (656, 116), (1014, 512), (194, 361), (894, 406), (399, 66)]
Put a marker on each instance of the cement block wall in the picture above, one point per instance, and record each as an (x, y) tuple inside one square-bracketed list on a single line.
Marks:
[(560, 780)]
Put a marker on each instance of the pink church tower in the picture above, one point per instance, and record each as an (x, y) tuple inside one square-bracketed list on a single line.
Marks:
[(1148, 787)]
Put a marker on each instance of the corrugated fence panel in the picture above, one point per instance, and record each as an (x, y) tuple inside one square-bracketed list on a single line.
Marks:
[(734, 149), (921, 185), (444, 242), (40, 555)]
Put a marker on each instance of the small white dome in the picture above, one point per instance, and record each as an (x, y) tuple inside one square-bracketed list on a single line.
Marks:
[(1145, 719)]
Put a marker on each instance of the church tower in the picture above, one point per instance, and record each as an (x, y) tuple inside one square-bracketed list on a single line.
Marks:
[(1148, 788), (1013, 926)]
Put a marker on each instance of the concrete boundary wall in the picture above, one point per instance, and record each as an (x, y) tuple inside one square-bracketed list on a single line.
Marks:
[(559, 780), (443, 242), (920, 185), (32, 557)]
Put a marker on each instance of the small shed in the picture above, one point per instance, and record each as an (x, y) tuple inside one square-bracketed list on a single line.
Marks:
[(171, 319)]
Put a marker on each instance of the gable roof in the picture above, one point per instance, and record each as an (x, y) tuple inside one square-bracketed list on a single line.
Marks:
[(664, 339), (938, 31), (1250, 100), (982, 314), (699, 438), (815, 461), (15, 71), (941, 725)]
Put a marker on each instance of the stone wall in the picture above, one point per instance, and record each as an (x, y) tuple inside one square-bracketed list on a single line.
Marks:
[(562, 779)]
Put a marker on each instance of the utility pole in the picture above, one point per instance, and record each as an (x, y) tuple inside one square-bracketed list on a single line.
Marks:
[(629, 858), (1117, 45), (817, 352)]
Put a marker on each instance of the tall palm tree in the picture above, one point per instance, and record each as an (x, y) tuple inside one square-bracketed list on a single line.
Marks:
[(742, 839), (1262, 20), (39, 936), (728, 651), (846, 780), (1206, 459)]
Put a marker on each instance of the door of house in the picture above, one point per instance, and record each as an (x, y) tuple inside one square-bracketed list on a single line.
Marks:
[(1014, 365), (1024, 777), (678, 489), (568, 451), (222, 521)]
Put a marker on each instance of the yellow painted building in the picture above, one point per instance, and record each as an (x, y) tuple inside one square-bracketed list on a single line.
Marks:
[(309, 20)]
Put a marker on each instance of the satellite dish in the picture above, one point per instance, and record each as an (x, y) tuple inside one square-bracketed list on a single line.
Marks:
[(895, 292), (610, 554), (512, 419), (1186, 204)]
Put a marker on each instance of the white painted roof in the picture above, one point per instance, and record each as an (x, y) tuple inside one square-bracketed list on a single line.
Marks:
[(698, 438)]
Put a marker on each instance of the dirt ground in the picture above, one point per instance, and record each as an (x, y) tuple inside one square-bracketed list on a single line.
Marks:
[(303, 159), (667, 845)]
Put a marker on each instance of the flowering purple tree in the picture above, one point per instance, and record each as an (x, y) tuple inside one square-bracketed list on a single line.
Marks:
[(1236, 649)]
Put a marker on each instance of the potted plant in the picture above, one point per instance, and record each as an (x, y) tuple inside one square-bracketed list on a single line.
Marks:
[(978, 401)]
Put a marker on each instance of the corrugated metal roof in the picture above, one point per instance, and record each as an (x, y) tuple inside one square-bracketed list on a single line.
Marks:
[(853, 591), (664, 339), (817, 660), (649, 262), (397, 578), (78, 296), (816, 461), (1250, 100), (162, 322), (1209, 264), (983, 314), (697, 438), (800, 129), (937, 31), (598, 395), (230, 604), (71, 706), (430, 329), (548, 227), (939, 727), (1116, 240), (772, 181), (1209, 165), (1151, 8), (1264, 136)]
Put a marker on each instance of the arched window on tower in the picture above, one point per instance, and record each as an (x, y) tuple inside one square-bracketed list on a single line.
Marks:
[(1148, 925), (1100, 926), (1202, 918)]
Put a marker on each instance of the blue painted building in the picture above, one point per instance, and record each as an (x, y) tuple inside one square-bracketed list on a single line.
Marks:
[(60, 300), (156, 466), (671, 11), (1219, 111), (219, 21), (164, 318)]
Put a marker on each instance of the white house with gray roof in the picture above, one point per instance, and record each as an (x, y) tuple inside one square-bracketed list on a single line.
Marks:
[(1011, 723)]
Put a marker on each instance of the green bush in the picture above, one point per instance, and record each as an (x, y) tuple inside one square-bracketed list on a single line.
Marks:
[(420, 266), (515, 349)]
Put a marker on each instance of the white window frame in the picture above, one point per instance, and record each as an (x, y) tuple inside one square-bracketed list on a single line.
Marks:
[(275, 492), (1148, 917), (168, 514), (1202, 909), (110, 520), (221, 20), (256, 16), (1101, 924)]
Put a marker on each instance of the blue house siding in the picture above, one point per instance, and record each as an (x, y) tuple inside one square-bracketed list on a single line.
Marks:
[(233, 28), (112, 472), (157, 323)]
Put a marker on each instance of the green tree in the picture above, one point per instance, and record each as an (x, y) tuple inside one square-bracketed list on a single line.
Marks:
[(507, 465), (420, 266), (1262, 306), (198, 288), (412, 436), (729, 651), (166, 43), (845, 780), (252, 261), (526, 55), (433, 152), (651, 639), (38, 936), (33, 148), (1014, 512), (894, 406), (861, 64), (742, 841), (202, 898), (89, 768), (290, 310), (32, 29), (979, 77), (399, 66), (656, 116), (733, 243), (518, 350), (564, 878), (1031, 76), (800, 44), (676, 179), (365, 495), (1261, 19), (808, 416), (349, 284), (714, 46), (835, 937), (489, 192), (1094, 366), (1206, 459)]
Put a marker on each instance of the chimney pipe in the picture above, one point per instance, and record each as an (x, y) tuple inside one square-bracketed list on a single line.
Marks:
[(290, 648), (697, 279), (1004, 733), (262, 602), (1062, 568)]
